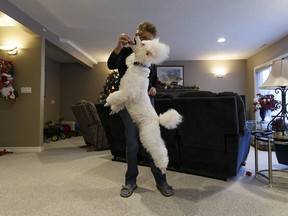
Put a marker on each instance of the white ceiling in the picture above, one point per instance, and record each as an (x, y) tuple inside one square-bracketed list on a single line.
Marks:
[(190, 27)]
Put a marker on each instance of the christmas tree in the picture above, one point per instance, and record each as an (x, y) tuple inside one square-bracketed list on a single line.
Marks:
[(111, 85)]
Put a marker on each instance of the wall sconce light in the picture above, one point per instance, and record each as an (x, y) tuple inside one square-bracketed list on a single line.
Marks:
[(13, 52), (11, 49), (219, 72), (220, 75)]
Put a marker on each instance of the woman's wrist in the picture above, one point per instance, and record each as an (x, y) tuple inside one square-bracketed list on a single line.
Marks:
[(117, 49)]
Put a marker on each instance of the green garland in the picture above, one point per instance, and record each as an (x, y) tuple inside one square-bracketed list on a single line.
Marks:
[(111, 85)]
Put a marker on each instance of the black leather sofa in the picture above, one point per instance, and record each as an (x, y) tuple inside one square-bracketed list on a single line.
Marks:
[(211, 141)]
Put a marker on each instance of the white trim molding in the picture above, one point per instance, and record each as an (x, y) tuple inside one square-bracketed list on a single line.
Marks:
[(24, 149)]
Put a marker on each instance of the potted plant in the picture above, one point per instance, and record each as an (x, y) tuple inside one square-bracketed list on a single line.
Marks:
[(279, 127), (263, 103)]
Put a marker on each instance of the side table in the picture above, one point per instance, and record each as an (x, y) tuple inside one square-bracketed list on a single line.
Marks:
[(267, 137)]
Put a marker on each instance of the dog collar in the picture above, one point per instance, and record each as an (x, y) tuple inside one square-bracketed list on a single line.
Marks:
[(140, 64)]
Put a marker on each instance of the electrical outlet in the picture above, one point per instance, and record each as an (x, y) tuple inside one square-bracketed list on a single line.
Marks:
[(26, 90)]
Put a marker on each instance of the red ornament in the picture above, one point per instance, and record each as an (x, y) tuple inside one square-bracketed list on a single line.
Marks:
[(248, 173)]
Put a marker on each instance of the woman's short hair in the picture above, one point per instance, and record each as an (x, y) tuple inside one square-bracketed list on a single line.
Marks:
[(148, 27)]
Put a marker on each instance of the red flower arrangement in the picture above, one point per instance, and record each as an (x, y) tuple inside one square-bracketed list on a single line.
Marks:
[(265, 102)]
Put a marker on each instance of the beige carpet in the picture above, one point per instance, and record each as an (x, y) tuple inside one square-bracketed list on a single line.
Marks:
[(65, 180)]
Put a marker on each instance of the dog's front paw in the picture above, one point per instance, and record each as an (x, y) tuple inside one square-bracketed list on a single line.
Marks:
[(112, 112), (116, 108)]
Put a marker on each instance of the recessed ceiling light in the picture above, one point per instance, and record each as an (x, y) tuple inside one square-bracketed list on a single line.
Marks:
[(221, 40)]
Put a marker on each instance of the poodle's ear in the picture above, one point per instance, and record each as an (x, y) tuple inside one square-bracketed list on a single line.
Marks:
[(149, 53), (160, 53)]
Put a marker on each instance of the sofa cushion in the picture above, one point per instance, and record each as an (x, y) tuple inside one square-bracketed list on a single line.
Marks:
[(206, 121), (240, 110)]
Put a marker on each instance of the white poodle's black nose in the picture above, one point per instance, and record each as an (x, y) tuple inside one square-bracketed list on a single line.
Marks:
[(133, 42)]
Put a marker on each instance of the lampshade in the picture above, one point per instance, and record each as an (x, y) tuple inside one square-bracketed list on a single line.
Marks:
[(278, 75)]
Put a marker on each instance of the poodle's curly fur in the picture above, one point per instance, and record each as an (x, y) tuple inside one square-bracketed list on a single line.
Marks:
[(133, 95)]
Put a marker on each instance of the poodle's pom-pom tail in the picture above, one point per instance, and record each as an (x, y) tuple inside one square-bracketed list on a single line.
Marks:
[(170, 119)]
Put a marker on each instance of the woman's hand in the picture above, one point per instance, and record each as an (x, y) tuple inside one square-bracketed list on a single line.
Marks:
[(152, 91), (123, 40)]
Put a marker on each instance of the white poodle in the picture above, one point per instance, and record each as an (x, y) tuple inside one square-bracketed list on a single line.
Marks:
[(133, 95)]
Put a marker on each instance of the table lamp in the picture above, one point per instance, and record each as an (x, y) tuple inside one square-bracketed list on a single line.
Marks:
[(278, 81)]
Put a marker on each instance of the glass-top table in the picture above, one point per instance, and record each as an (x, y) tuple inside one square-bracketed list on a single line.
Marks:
[(255, 125), (267, 136)]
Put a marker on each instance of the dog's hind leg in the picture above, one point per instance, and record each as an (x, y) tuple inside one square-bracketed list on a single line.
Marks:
[(152, 141)]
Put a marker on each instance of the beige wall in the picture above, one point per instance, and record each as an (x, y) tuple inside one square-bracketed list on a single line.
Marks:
[(202, 74), (52, 91), (21, 120), (77, 83), (265, 56)]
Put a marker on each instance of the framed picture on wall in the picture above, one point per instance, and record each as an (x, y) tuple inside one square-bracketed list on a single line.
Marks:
[(167, 74)]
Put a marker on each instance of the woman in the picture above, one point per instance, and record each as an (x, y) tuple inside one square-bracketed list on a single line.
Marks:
[(145, 31)]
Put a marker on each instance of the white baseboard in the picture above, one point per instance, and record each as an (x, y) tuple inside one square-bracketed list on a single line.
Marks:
[(24, 149)]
